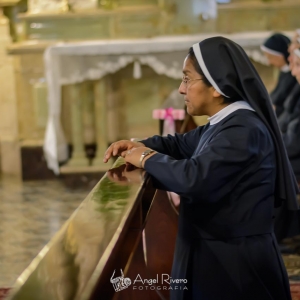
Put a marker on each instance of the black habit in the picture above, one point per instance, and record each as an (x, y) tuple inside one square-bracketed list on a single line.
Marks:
[(225, 174), (229, 175)]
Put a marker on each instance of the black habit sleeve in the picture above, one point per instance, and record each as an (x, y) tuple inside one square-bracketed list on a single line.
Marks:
[(213, 171), (179, 146)]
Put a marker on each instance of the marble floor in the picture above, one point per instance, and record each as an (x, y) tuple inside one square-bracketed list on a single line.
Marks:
[(30, 214)]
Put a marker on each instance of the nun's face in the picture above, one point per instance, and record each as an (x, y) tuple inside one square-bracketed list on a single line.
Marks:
[(295, 37), (198, 97), (277, 61), (296, 68), (292, 56)]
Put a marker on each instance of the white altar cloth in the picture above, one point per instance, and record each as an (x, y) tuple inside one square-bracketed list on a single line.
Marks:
[(70, 63)]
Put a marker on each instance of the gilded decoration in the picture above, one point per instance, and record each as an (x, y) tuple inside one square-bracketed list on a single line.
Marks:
[(83, 4), (44, 6)]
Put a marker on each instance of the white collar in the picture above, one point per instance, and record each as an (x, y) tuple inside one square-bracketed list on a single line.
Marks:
[(223, 113), (285, 69)]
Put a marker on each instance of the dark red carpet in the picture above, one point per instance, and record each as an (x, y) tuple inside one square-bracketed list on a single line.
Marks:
[(295, 290), (3, 293)]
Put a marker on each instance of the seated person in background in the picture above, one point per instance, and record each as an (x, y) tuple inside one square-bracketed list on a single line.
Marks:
[(293, 45), (287, 221), (296, 64), (289, 118), (296, 36), (290, 127), (292, 99), (229, 173), (275, 49)]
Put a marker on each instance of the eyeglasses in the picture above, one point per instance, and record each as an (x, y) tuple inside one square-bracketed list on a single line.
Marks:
[(185, 80)]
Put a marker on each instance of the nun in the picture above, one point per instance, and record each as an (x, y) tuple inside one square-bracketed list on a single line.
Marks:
[(287, 222), (289, 124), (275, 49), (291, 111), (230, 174)]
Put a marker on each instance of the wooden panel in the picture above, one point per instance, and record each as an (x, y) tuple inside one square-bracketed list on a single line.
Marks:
[(34, 166), (161, 229)]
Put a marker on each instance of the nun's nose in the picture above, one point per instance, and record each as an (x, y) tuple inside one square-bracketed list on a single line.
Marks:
[(182, 89)]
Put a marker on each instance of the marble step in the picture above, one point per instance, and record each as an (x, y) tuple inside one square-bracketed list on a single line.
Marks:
[(248, 15)]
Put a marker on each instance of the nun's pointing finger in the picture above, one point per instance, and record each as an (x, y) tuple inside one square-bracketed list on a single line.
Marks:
[(115, 149), (108, 153)]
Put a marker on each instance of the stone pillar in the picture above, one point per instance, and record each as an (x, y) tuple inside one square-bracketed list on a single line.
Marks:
[(78, 156), (88, 113), (10, 160), (100, 123), (116, 118)]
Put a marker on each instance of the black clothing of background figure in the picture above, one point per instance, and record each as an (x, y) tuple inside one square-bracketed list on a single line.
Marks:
[(287, 222), (289, 124), (278, 44), (285, 84)]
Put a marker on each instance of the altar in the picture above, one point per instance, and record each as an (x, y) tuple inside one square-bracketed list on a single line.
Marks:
[(68, 64), (106, 65)]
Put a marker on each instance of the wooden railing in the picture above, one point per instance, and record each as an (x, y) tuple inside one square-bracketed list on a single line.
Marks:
[(122, 233)]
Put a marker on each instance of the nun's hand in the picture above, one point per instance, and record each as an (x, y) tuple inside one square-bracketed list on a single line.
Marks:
[(133, 156), (120, 147)]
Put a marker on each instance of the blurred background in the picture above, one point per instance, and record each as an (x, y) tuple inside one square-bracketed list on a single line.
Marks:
[(77, 75), (136, 77)]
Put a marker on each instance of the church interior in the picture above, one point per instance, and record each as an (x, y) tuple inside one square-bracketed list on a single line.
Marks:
[(76, 76)]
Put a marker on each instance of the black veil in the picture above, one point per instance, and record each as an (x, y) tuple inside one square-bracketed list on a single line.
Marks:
[(228, 68)]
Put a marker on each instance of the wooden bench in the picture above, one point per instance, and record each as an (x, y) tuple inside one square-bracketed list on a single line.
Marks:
[(121, 233)]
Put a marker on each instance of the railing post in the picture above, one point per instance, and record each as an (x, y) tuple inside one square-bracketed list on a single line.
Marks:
[(78, 156), (88, 113), (100, 123)]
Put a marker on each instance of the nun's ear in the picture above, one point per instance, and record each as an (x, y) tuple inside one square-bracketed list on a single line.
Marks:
[(216, 94)]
